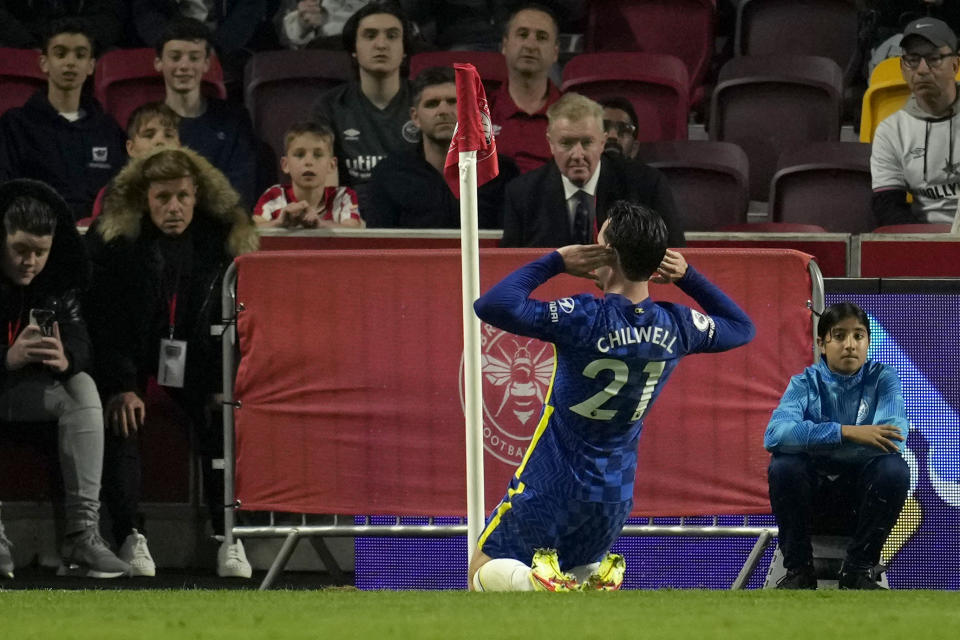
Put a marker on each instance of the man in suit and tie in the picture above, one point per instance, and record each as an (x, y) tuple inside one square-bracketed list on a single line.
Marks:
[(565, 201)]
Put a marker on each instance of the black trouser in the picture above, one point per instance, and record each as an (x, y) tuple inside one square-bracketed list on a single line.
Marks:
[(121, 468), (862, 500)]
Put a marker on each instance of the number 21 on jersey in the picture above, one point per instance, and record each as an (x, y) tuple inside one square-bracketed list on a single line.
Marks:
[(590, 408)]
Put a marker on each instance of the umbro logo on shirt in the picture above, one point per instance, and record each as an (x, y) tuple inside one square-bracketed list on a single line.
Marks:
[(351, 135), (99, 154)]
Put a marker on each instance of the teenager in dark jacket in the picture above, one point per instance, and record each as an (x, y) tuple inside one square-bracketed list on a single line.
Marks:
[(43, 362), (171, 225), (61, 136), (219, 130)]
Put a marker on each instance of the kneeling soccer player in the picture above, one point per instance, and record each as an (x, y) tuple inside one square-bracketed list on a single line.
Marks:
[(572, 493)]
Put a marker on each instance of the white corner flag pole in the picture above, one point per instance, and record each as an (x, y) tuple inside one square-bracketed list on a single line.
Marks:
[(472, 382)]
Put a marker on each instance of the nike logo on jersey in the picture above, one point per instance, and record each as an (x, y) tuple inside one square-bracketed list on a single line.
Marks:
[(631, 335)]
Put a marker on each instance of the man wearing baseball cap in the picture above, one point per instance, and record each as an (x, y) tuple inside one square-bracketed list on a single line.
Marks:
[(916, 150)]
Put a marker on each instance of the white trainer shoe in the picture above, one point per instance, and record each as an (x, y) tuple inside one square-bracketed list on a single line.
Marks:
[(136, 553), (232, 561)]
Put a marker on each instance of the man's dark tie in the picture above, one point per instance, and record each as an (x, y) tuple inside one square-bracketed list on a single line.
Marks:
[(581, 219)]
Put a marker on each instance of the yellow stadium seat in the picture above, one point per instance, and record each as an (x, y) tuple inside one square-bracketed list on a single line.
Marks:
[(886, 94)]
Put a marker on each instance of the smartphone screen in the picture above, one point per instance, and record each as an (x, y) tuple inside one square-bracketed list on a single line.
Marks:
[(43, 318)]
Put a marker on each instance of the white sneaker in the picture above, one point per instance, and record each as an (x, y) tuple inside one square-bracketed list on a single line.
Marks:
[(232, 561), (136, 553)]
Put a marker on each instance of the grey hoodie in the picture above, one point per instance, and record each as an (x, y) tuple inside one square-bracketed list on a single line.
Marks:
[(920, 153)]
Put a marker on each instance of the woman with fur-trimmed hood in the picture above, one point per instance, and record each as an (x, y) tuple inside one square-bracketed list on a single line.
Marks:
[(171, 225)]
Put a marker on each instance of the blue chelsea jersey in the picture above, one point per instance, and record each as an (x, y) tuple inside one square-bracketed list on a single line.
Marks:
[(613, 357)]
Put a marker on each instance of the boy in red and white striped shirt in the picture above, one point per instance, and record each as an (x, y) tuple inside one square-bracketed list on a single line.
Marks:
[(307, 202)]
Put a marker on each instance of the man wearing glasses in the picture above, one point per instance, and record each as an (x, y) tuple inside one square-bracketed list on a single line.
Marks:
[(620, 126), (917, 149)]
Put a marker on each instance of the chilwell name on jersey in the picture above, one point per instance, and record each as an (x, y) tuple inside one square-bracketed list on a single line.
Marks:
[(632, 335)]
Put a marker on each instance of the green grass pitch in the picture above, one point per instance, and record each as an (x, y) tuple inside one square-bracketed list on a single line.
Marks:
[(330, 613)]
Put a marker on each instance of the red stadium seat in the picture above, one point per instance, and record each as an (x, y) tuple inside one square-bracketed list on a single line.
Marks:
[(824, 183), (126, 79), (20, 76), (825, 28), (772, 104), (490, 65), (656, 85), (280, 88), (710, 180), (680, 28), (924, 227)]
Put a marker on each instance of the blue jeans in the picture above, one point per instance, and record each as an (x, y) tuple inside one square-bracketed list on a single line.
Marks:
[(862, 500)]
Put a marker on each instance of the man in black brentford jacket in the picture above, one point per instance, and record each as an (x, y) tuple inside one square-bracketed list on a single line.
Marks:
[(43, 266)]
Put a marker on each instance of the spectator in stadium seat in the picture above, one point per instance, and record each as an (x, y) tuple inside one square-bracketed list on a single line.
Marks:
[(170, 226), (916, 150), (408, 190), (567, 503), (621, 126), (314, 24), (308, 201), (151, 126), (217, 129), (566, 201), (370, 116), (837, 440), (23, 23), (519, 108), (237, 29), (61, 135), (43, 267)]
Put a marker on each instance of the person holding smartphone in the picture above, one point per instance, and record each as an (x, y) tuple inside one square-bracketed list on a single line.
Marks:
[(44, 360)]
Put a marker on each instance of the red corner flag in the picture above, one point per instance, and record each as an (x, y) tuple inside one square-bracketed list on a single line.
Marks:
[(474, 130)]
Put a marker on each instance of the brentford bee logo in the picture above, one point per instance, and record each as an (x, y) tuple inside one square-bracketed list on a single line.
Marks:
[(516, 375)]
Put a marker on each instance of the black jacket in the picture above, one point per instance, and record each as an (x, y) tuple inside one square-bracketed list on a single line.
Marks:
[(57, 287), (136, 270), (535, 213), (22, 22), (75, 158), (407, 192)]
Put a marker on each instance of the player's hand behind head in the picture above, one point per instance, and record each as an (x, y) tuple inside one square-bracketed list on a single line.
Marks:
[(672, 268), (582, 259)]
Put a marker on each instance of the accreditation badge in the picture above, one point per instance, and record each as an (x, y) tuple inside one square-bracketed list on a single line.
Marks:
[(173, 363)]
